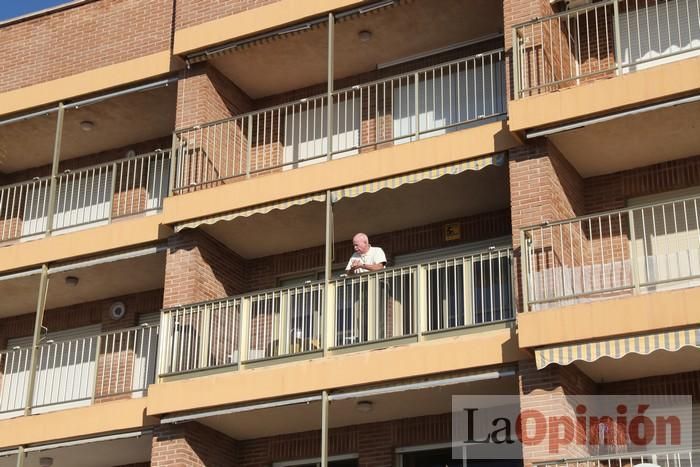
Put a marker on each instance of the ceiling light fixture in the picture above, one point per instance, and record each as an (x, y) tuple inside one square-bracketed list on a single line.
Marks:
[(364, 35), (364, 406), (87, 125), (72, 281)]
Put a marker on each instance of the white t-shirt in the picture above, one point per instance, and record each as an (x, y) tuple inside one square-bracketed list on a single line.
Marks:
[(374, 255)]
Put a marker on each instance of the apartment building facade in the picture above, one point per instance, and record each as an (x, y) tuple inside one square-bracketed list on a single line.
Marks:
[(176, 218)]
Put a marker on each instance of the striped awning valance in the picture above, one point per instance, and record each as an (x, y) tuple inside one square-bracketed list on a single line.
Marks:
[(618, 347), (260, 209), (415, 177)]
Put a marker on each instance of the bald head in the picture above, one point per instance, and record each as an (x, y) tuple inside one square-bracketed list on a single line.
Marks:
[(360, 243)]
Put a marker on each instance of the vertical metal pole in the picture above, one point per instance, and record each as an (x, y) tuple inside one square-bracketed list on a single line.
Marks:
[(54, 169), (20, 456), (328, 305), (329, 97), (515, 64), (324, 429), (40, 307), (173, 164), (524, 268), (633, 253), (415, 97), (98, 351), (111, 192), (249, 154), (618, 46)]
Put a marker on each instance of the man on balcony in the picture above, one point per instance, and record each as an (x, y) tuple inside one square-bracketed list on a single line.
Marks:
[(366, 257)]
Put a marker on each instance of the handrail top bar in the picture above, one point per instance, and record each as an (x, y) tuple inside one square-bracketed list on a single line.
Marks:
[(607, 213), (336, 92), (338, 279), (578, 10), (622, 455), (91, 336), (87, 168)]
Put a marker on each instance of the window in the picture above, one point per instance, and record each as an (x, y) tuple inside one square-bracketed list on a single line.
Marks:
[(65, 370), (447, 96), (306, 135), (668, 29), (667, 236), (442, 457), (347, 460)]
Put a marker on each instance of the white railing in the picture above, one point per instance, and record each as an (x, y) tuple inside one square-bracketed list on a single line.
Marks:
[(88, 196), (285, 321), (601, 39), (385, 111), (637, 249), (75, 371), (376, 306), (13, 380), (661, 459), (393, 303), (200, 336)]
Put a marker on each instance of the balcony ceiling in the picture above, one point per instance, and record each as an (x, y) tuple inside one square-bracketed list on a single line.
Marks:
[(633, 366), (96, 282), (118, 122), (413, 27), (98, 454), (299, 227), (632, 141), (299, 418)]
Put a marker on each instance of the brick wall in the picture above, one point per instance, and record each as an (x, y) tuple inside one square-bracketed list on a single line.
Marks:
[(520, 11), (199, 268), (374, 443), (81, 38), (552, 391), (543, 187), (213, 152), (193, 12), (191, 444)]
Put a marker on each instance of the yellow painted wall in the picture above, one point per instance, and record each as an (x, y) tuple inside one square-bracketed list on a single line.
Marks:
[(600, 319), (121, 415), (603, 95), (122, 234), (312, 376)]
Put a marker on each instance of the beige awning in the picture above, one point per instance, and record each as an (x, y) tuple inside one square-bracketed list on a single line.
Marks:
[(617, 348), (260, 209), (415, 177)]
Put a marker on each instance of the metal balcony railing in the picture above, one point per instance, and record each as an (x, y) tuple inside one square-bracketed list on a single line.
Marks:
[(397, 302), (88, 196), (681, 458), (394, 110), (77, 371), (604, 38), (630, 250)]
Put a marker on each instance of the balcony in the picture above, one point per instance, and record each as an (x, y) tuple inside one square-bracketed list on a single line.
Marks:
[(392, 307), (638, 250), (392, 111), (85, 197), (602, 40), (77, 372), (661, 458)]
